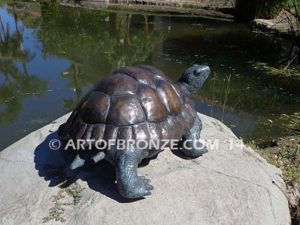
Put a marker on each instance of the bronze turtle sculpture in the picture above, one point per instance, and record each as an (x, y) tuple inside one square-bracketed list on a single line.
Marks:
[(138, 103)]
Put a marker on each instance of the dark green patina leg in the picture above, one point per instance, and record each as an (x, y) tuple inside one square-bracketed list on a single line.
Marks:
[(129, 183), (192, 147)]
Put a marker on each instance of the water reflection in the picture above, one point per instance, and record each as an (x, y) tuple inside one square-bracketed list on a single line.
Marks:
[(95, 43), (17, 82), (50, 57)]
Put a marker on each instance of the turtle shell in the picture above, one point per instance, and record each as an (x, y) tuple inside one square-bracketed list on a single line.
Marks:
[(133, 103)]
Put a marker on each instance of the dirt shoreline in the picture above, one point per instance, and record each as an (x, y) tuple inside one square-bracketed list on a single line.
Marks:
[(163, 10)]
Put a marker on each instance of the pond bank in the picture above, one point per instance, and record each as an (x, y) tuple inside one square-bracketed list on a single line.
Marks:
[(211, 9), (285, 154)]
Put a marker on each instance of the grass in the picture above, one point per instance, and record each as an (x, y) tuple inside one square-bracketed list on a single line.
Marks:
[(295, 5), (287, 159), (287, 76), (226, 94)]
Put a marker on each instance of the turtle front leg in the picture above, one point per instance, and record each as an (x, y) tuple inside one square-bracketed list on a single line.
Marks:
[(191, 144), (78, 162), (131, 185), (68, 174), (65, 175)]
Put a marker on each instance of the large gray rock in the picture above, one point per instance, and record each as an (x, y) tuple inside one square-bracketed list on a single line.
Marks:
[(228, 185), (284, 23)]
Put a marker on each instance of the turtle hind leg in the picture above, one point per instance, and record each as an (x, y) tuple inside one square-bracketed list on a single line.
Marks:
[(131, 185), (192, 147)]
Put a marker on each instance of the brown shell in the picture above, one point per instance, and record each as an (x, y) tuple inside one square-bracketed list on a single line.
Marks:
[(134, 103)]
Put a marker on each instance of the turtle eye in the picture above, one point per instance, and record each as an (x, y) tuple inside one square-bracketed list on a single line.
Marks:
[(197, 73), (201, 70)]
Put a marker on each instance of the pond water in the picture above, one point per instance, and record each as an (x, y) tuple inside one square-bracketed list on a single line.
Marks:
[(50, 56)]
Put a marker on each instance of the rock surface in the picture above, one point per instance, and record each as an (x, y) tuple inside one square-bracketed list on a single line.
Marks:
[(230, 184), (284, 23)]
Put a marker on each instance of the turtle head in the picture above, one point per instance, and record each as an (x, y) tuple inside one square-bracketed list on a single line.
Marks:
[(200, 71), (194, 77)]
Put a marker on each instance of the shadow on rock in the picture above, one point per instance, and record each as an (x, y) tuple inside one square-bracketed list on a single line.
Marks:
[(99, 177)]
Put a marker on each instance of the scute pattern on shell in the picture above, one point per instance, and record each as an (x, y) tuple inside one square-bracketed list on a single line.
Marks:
[(134, 103)]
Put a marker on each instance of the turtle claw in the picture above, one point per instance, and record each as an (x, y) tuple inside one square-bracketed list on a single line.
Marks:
[(150, 187), (147, 193), (139, 187), (147, 183), (142, 187), (66, 183)]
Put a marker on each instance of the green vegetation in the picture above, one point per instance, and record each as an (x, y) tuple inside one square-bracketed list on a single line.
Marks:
[(287, 76), (287, 158), (294, 6), (248, 10), (265, 9)]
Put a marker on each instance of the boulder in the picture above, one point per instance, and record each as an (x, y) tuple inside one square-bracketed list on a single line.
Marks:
[(231, 184), (284, 23)]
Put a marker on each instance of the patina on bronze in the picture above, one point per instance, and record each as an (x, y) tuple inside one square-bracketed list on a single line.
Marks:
[(136, 103)]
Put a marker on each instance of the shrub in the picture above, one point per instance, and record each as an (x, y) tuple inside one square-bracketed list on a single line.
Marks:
[(267, 9)]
